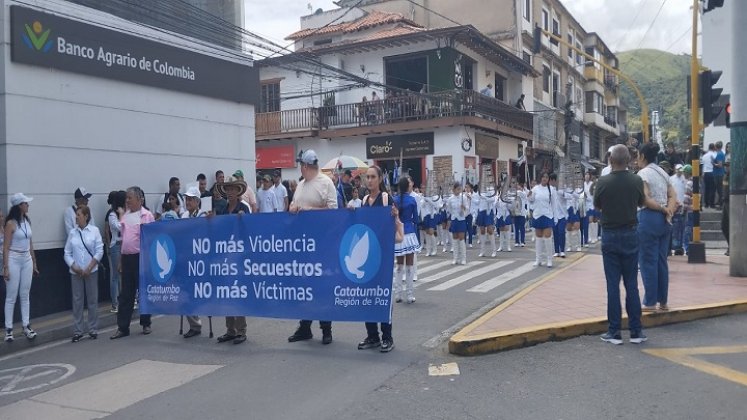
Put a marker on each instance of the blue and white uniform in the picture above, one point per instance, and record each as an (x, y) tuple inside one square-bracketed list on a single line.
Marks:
[(408, 214), (485, 211)]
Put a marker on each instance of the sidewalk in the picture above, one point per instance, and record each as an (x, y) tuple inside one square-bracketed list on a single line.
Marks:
[(54, 327), (572, 301)]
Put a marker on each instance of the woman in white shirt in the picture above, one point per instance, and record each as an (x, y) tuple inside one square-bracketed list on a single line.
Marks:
[(503, 222), (654, 229), (486, 223), (19, 264), (543, 198), (458, 207), (83, 252), (561, 211), (520, 215), (356, 202)]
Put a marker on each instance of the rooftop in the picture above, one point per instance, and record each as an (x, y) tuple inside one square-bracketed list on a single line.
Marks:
[(370, 20)]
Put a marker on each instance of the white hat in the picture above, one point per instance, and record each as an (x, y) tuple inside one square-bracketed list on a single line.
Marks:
[(678, 167), (193, 190), (308, 157), (19, 198)]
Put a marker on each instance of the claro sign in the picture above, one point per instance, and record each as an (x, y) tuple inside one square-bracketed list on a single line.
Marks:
[(52, 41), (410, 145)]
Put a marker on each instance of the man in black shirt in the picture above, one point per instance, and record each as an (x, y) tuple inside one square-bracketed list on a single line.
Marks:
[(618, 196)]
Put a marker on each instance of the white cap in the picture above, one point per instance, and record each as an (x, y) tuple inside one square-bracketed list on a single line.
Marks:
[(19, 198), (193, 190), (678, 167), (308, 157)]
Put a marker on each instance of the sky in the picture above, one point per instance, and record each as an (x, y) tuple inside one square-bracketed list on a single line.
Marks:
[(622, 24)]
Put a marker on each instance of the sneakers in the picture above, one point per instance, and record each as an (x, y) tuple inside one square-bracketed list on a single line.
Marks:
[(387, 345), (578, 249), (369, 343), (29, 333), (562, 255), (638, 337), (77, 337), (615, 339), (411, 299), (300, 335), (8, 335), (114, 310), (326, 336)]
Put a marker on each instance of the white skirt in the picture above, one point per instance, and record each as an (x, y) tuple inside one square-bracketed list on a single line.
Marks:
[(409, 245)]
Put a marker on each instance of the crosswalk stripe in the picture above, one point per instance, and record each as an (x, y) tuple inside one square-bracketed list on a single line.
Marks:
[(470, 275), (503, 278), (433, 267), (446, 273)]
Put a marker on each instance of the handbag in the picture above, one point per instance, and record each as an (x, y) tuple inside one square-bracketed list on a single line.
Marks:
[(100, 265)]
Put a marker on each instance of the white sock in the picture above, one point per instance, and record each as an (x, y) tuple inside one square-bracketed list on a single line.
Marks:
[(409, 277), (538, 245), (549, 245), (492, 242), (482, 244), (464, 250), (397, 286)]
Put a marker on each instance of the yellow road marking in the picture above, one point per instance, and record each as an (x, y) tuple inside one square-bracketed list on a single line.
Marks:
[(684, 356)]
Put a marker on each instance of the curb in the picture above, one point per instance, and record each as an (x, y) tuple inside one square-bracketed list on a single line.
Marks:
[(463, 345), (53, 328)]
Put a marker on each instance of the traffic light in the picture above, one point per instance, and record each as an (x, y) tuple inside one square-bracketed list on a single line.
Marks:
[(709, 95), (712, 4), (728, 115)]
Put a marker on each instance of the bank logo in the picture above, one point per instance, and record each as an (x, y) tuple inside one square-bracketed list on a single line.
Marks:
[(36, 38), (162, 258), (360, 254)]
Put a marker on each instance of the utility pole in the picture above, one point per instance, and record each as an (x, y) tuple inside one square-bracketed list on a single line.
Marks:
[(696, 251), (738, 168)]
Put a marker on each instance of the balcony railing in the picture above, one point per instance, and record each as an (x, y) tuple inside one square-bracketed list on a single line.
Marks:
[(397, 109), (610, 82)]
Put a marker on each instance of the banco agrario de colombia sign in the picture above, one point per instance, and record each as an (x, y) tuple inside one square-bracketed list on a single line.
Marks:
[(52, 41)]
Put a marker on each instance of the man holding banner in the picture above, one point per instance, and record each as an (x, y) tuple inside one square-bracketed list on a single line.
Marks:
[(316, 191), (192, 198)]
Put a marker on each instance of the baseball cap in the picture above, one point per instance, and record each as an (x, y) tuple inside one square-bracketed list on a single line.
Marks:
[(276, 173), (239, 172), (687, 169), (19, 198), (679, 166), (267, 178), (82, 193), (348, 172), (308, 157), (193, 190)]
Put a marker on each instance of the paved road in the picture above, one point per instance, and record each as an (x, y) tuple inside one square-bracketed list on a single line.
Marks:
[(165, 376)]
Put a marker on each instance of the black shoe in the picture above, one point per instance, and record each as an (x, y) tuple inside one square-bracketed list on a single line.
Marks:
[(119, 334), (191, 333), (93, 335), (147, 330), (239, 339), (387, 345), (77, 337), (300, 335), (226, 337), (369, 343), (679, 251), (326, 337)]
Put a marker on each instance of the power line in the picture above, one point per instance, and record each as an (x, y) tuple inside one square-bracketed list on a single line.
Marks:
[(652, 23), (625, 34)]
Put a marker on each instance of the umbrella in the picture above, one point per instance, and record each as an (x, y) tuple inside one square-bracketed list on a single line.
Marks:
[(348, 162)]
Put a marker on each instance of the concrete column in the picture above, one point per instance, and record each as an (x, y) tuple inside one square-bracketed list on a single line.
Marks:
[(738, 168)]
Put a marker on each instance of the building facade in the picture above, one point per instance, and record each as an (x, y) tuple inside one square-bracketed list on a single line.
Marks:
[(413, 94), (566, 78), (106, 103)]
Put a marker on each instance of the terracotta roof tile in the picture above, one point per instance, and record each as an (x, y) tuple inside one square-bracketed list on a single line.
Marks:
[(370, 20)]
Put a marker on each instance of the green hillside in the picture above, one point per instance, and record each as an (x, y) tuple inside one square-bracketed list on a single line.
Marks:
[(662, 78)]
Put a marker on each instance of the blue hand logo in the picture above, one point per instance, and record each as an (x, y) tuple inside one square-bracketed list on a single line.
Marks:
[(162, 258), (360, 254)]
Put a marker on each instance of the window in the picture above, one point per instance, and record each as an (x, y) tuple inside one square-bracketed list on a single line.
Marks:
[(545, 20), (594, 102), (570, 42), (500, 87), (528, 10), (579, 57), (555, 27), (589, 51), (546, 75), (270, 97), (556, 100), (526, 56)]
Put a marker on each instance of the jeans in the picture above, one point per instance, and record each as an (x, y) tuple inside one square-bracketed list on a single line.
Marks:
[(114, 275), (584, 230), (678, 231), (558, 235), (85, 292), (469, 229), (718, 188), (373, 332), (620, 259), (653, 234), (20, 273), (520, 229), (688, 232), (710, 189)]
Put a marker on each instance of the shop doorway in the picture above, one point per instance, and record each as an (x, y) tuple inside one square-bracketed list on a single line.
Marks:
[(413, 167)]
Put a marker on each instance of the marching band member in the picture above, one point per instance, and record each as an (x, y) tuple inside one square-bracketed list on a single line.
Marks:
[(418, 225), (430, 214), (561, 210), (486, 223), (444, 217), (468, 193), (405, 250), (587, 217), (503, 222), (575, 203), (520, 215), (543, 198), (458, 205)]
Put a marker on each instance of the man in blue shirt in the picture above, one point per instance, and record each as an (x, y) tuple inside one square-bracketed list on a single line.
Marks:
[(719, 172)]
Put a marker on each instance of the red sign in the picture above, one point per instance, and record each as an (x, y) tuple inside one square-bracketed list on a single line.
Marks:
[(276, 157)]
